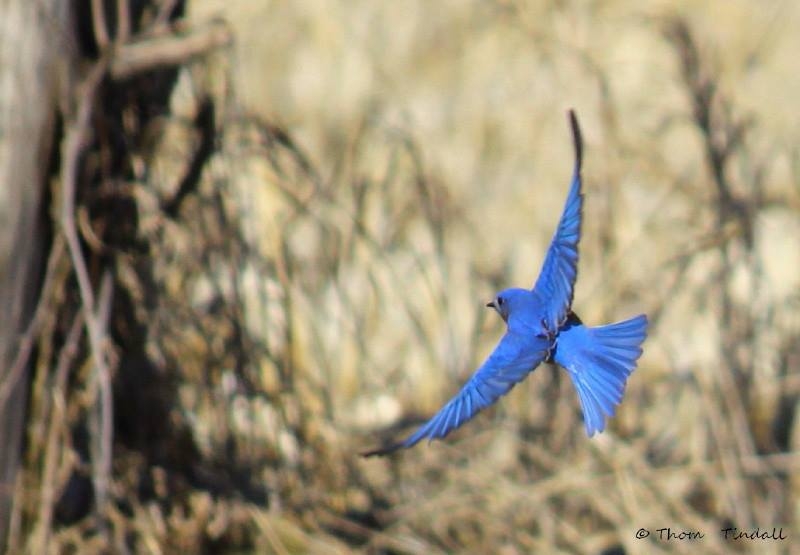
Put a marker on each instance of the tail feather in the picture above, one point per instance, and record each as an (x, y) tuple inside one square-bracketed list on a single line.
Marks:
[(599, 361)]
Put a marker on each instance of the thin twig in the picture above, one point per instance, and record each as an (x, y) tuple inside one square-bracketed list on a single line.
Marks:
[(77, 136), (123, 22), (32, 332), (168, 50), (164, 13), (99, 25), (47, 498)]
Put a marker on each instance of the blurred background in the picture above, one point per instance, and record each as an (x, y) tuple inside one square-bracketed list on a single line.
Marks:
[(247, 240)]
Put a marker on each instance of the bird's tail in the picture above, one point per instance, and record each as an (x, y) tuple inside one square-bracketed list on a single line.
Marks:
[(599, 361)]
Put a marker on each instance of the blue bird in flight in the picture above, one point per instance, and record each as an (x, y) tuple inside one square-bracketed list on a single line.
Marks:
[(543, 328)]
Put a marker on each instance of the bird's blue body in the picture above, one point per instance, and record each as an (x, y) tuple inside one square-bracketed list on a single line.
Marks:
[(543, 328)]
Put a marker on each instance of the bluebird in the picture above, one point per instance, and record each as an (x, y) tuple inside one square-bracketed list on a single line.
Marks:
[(541, 327)]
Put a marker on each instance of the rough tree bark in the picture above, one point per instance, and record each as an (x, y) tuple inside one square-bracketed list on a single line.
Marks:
[(30, 33)]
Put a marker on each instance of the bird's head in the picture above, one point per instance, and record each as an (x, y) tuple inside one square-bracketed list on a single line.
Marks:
[(508, 300)]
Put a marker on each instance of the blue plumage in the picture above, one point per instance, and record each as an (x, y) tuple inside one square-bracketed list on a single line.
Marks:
[(542, 327), (556, 280), (599, 361), (511, 361)]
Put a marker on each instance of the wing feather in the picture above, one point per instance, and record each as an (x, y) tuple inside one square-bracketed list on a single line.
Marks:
[(555, 285), (512, 360)]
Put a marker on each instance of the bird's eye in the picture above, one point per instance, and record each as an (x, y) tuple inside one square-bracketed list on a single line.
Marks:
[(500, 301)]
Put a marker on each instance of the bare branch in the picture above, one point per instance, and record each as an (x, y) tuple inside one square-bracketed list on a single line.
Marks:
[(99, 25), (32, 333), (77, 136), (123, 22), (164, 13), (167, 50), (48, 494)]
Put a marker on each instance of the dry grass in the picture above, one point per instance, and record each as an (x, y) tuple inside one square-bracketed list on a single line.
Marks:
[(371, 176)]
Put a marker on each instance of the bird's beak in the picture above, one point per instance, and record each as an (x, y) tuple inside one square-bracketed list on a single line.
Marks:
[(491, 305)]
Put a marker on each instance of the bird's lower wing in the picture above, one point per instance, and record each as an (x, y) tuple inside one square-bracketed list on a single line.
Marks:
[(514, 357)]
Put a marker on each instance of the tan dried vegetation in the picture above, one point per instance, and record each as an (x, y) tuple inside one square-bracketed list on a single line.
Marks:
[(372, 174)]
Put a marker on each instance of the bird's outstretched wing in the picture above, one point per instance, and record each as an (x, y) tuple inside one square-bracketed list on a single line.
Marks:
[(559, 270), (513, 358)]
